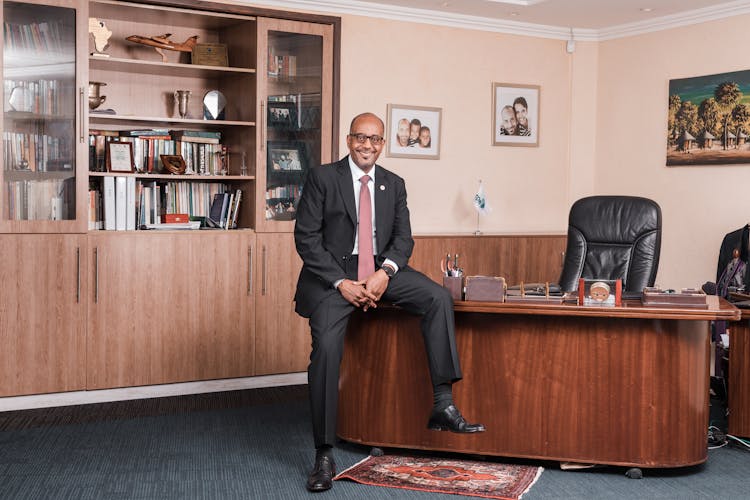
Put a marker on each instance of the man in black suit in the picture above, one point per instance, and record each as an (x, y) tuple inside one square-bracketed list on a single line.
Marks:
[(336, 279)]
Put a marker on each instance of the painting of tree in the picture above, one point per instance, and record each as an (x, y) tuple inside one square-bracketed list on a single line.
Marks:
[(709, 119)]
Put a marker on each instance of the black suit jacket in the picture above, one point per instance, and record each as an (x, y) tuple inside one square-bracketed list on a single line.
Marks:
[(327, 224), (735, 240)]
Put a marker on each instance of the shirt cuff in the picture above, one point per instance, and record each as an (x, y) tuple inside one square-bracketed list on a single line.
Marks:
[(390, 263), (337, 283)]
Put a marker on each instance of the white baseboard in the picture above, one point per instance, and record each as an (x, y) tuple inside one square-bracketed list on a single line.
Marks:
[(148, 391)]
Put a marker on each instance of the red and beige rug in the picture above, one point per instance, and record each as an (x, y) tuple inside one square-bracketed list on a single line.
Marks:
[(438, 475)]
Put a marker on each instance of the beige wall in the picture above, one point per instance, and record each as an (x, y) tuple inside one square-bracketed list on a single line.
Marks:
[(406, 63), (699, 204), (603, 121)]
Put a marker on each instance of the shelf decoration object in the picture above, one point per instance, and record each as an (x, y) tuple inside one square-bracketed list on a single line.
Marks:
[(181, 99), (95, 97), (214, 103), (174, 164), (210, 54), (160, 43), (101, 36), (120, 157)]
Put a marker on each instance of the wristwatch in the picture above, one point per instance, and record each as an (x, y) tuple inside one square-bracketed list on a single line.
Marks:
[(389, 271)]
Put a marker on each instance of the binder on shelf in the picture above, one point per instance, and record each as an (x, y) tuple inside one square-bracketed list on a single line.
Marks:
[(121, 204), (109, 203), (130, 204)]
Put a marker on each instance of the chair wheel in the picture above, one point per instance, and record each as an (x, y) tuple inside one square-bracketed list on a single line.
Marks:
[(376, 452), (634, 473)]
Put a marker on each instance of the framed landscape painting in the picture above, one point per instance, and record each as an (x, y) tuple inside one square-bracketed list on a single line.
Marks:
[(708, 119)]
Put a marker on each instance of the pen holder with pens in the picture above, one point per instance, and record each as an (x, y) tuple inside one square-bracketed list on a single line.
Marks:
[(455, 285)]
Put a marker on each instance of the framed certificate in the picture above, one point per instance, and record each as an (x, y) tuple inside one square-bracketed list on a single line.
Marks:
[(120, 157)]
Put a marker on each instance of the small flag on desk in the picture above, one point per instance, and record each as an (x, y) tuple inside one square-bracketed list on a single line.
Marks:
[(480, 201)]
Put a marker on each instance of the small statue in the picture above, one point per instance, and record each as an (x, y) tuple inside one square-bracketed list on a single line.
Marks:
[(101, 36), (162, 42)]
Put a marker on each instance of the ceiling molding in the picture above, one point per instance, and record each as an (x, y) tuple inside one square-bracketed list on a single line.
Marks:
[(424, 16)]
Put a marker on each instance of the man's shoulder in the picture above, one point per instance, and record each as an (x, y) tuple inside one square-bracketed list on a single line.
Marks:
[(328, 169), (387, 174)]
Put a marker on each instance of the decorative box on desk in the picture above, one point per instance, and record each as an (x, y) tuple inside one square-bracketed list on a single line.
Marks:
[(687, 297), (485, 288)]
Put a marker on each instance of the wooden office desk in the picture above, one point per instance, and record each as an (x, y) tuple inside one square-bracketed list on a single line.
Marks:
[(739, 376), (622, 386)]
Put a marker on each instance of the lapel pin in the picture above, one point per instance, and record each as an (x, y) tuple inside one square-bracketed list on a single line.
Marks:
[(382, 187)]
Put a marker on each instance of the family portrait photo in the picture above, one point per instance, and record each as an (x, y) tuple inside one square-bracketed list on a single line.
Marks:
[(515, 115), (413, 132)]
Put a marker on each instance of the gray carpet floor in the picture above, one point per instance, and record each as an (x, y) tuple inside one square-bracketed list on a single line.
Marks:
[(257, 444)]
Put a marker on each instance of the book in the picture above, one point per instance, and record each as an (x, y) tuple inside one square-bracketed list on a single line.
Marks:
[(179, 134), (109, 203), (174, 225), (130, 204), (121, 203), (145, 132)]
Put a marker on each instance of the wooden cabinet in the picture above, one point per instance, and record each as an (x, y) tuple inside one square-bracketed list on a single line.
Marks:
[(282, 338), (169, 307), (43, 180), (42, 313), (295, 109)]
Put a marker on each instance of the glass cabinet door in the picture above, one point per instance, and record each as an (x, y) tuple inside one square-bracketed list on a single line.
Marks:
[(295, 82), (42, 119)]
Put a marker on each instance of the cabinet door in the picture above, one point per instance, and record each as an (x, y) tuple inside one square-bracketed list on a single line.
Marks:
[(42, 313), (295, 83), (44, 148), (282, 338), (216, 289), (169, 307)]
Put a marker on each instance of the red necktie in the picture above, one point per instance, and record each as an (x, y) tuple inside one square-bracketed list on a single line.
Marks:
[(366, 262)]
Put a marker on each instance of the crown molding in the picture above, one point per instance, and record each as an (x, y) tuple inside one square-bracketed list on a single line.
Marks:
[(424, 16)]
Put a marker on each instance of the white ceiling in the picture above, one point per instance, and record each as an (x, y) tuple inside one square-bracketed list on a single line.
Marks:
[(589, 14), (589, 19)]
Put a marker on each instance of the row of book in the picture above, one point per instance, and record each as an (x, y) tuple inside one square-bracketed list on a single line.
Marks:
[(201, 150), (42, 97), (288, 191), (39, 200), (36, 152), (281, 66), (39, 37), (124, 203), (224, 210)]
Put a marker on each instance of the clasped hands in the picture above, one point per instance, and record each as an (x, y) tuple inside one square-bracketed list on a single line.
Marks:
[(365, 293)]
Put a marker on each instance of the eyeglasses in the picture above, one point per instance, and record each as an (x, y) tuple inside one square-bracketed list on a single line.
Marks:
[(374, 139)]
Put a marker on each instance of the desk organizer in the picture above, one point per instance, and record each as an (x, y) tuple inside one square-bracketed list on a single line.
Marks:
[(485, 288)]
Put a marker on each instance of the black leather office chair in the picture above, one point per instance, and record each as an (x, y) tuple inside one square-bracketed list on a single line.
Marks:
[(611, 237)]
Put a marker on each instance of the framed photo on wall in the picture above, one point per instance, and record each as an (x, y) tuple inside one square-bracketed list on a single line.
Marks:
[(515, 115), (120, 157), (413, 132)]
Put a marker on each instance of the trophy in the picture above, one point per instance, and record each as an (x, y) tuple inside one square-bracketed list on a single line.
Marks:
[(95, 99)]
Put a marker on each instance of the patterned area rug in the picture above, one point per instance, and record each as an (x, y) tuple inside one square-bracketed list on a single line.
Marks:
[(438, 475)]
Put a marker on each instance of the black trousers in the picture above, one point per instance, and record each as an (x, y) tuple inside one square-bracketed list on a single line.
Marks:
[(408, 289)]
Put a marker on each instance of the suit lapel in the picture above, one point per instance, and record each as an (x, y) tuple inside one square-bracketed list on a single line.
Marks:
[(383, 206), (346, 188)]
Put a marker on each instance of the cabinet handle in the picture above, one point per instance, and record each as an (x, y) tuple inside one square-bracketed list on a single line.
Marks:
[(78, 275), (263, 277), (96, 275), (80, 114), (262, 125), (249, 270)]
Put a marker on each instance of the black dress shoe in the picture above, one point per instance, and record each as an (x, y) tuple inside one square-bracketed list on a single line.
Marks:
[(321, 477), (450, 419)]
